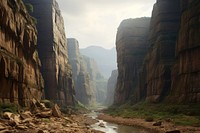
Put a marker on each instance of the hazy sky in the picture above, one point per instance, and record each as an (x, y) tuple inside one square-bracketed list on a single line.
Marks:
[(95, 22)]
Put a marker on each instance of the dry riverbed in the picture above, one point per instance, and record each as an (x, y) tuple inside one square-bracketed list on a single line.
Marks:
[(152, 127)]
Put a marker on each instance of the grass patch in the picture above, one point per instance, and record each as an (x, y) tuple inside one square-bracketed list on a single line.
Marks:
[(179, 114)]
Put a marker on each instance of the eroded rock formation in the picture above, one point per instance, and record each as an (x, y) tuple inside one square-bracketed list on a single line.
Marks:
[(111, 85), (83, 90), (161, 54), (20, 77), (131, 45), (186, 72), (97, 81), (52, 47)]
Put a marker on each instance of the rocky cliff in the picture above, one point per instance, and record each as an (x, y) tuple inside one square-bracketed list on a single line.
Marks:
[(52, 47), (83, 91), (111, 85), (131, 45), (97, 82), (105, 58), (20, 76), (161, 54), (186, 72), (170, 70)]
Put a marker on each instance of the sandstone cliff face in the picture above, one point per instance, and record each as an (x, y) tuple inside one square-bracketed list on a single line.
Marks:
[(111, 85), (83, 91), (52, 47), (20, 77), (131, 45), (97, 81), (186, 72), (161, 54)]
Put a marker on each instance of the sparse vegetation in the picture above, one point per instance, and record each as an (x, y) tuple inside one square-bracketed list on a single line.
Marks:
[(29, 7), (47, 103), (178, 114), (8, 107)]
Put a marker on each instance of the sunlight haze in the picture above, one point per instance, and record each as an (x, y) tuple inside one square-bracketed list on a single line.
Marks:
[(95, 22)]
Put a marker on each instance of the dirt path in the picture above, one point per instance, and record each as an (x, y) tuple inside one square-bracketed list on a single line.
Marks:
[(162, 126)]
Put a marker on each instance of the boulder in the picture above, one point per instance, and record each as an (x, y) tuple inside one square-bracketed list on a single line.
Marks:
[(44, 114), (159, 123), (56, 111)]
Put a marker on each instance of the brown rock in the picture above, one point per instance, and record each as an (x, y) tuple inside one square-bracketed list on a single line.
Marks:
[(156, 72), (173, 131), (52, 49), (40, 131), (56, 111), (131, 45), (21, 79), (44, 114), (159, 123), (26, 115), (186, 71), (2, 127)]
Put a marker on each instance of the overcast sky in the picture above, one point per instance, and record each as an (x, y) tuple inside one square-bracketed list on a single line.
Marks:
[(95, 22)]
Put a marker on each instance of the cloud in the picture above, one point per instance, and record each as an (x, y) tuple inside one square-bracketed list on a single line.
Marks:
[(95, 22)]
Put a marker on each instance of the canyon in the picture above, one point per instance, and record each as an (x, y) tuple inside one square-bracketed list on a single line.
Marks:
[(159, 62)]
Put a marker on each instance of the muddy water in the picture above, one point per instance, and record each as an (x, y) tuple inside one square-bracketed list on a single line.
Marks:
[(113, 128)]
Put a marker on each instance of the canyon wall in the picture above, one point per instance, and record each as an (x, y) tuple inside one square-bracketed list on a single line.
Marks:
[(186, 72), (111, 85), (83, 91), (131, 45), (97, 82), (52, 48), (20, 76), (161, 54), (170, 68)]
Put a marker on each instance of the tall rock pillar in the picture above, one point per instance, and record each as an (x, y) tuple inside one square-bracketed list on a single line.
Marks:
[(52, 47)]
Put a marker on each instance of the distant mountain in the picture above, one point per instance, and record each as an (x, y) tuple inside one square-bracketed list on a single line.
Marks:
[(105, 58)]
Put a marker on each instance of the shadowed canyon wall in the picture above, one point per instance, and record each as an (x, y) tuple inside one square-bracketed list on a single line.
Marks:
[(170, 68), (161, 54), (111, 85), (186, 72), (20, 76), (52, 47), (131, 45), (83, 91)]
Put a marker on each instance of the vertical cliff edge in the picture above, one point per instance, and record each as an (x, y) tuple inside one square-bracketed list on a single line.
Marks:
[(20, 76), (52, 48), (131, 45), (83, 91)]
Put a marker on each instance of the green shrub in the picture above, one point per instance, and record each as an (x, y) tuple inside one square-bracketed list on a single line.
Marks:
[(29, 7), (149, 119), (8, 107)]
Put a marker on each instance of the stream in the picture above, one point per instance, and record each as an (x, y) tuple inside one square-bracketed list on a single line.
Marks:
[(113, 128)]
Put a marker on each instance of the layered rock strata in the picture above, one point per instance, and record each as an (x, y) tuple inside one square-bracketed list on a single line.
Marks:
[(20, 76), (186, 72), (131, 45), (164, 28), (83, 91), (52, 47)]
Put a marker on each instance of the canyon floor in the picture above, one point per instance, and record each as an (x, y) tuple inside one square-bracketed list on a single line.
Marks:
[(151, 127)]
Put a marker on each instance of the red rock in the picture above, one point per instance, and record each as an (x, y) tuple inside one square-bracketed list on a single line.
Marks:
[(56, 111)]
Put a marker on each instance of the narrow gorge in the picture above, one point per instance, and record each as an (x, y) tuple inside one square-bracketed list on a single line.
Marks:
[(52, 80)]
